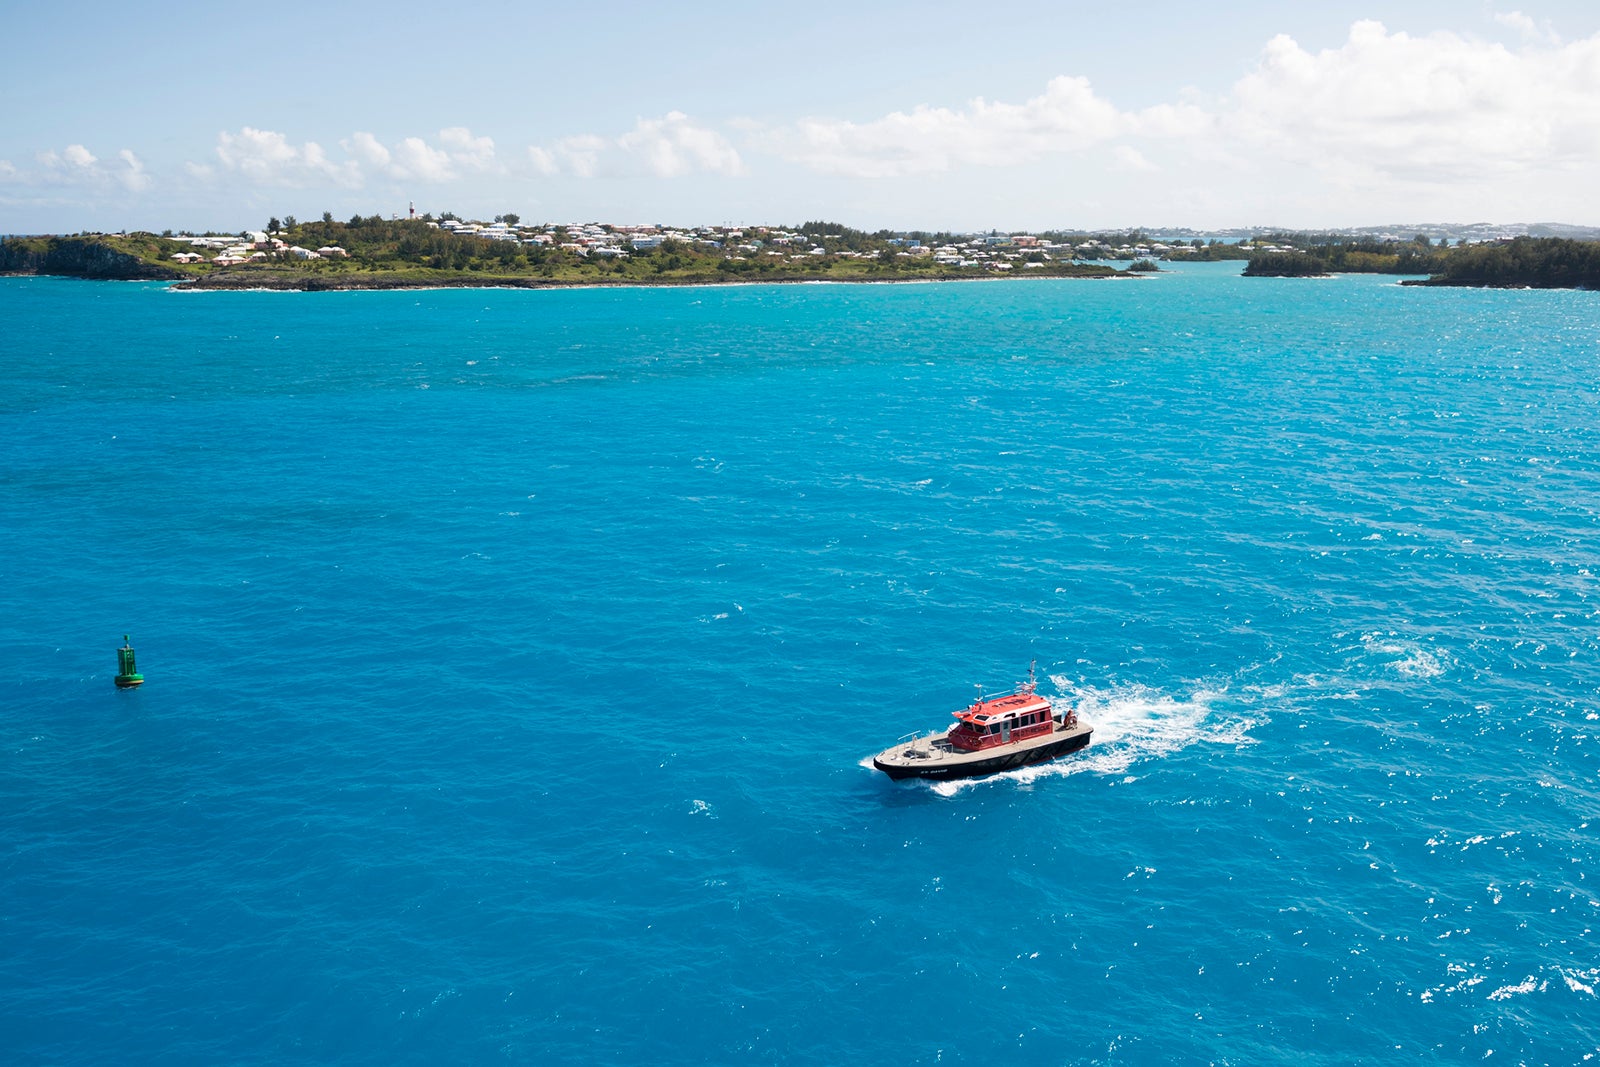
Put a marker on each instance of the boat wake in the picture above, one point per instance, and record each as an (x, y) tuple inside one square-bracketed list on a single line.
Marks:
[(1133, 726)]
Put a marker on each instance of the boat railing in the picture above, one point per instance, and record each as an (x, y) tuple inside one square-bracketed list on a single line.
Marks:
[(920, 742)]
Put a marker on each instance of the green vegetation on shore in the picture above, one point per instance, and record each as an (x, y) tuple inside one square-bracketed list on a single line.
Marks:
[(136, 256), (1302, 256), (1532, 262), (375, 253), (1535, 263), (372, 252), (1285, 265)]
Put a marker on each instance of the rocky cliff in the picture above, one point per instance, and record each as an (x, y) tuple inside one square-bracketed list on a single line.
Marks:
[(77, 257)]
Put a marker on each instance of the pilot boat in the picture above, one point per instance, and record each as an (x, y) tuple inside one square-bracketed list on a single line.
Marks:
[(991, 734)]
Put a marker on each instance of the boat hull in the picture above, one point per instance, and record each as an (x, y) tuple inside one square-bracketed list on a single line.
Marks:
[(941, 762)]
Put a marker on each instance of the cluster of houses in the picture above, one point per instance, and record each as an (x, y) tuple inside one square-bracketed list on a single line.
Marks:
[(997, 252), (1000, 252), (1007, 251), (253, 246), (618, 242)]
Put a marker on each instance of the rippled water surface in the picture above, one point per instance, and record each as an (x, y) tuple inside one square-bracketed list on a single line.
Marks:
[(514, 659)]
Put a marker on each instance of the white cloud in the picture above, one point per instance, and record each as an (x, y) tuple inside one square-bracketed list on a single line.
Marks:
[(1381, 108), (1129, 158), (1067, 115), (71, 160), (267, 157), (76, 165), (544, 161), (579, 155), (671, 146), (473, 153), (1531, 30), (414, 159), (134, 177), (1434, 108), (368, 149), (75, 155)]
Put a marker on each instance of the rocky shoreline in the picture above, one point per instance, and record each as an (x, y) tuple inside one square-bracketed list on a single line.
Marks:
[(70, 257), (116, 267), (137, 258), (1475, 283), (239, 281)]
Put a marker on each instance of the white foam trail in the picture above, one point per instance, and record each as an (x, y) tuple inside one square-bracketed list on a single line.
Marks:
[(1132, 726), (1527, 985), (1415, 661)]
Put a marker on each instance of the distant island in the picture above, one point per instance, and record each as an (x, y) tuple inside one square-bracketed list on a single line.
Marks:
[(370, 252), (1519, 262), (1523, 262), (376, 253), (1286, 265)]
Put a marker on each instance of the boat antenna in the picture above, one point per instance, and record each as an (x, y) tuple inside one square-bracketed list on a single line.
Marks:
[(1031, 665)]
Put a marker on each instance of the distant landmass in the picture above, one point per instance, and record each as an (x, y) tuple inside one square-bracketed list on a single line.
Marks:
[(1454, 232), (375, 253), (1524, 262)]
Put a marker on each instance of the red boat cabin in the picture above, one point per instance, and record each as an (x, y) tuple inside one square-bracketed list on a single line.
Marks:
[(1001, 721)]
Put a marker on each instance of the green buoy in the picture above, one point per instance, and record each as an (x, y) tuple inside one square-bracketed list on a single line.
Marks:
[(128, 676)]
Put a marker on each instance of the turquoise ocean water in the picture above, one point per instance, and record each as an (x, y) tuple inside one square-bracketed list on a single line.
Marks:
[(513, 658)]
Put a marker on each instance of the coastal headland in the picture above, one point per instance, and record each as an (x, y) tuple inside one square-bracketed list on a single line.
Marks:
[(376, 253), (415, 253)]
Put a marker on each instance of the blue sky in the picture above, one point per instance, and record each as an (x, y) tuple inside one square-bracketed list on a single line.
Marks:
[(932, 115)]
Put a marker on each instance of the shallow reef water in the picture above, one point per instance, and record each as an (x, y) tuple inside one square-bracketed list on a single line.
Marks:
[(514, 660)]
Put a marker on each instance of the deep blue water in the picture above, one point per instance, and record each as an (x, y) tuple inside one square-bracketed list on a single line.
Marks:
[(513, 659)]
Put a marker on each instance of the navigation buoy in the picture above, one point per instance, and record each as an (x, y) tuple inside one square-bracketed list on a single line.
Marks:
[(128, 676)]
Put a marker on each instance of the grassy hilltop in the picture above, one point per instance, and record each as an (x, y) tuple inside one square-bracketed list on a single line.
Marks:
[(117, 256), (376, 253), (372, 252)]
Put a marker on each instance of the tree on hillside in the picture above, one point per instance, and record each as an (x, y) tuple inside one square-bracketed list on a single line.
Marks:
[(1285, 265), (273, 225)]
